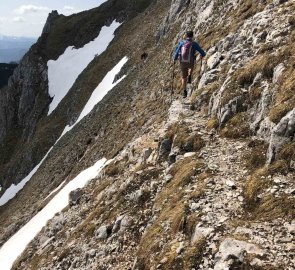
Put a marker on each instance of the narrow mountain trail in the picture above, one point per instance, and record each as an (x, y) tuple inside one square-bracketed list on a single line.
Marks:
[(223, 221), (159, 207)]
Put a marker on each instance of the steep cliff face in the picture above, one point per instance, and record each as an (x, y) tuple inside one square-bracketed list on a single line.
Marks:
[(201, 183)]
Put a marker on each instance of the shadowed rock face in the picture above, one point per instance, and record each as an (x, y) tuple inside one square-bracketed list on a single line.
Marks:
[(50, 20), (28, 89), (23, 103)]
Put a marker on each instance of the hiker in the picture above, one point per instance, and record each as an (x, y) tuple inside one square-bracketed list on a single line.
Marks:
[(186, 53)]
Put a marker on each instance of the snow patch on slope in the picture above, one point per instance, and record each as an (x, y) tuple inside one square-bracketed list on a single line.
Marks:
[(99, 92), (14, 189), (63, 72), (18, 242)]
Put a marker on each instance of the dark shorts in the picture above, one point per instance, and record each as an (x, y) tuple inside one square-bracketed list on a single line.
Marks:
[(184, 69)]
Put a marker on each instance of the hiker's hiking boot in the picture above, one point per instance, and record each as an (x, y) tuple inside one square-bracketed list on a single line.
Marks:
[(189, 79), (185, 94)]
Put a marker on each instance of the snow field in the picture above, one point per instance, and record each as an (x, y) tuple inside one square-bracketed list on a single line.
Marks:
[(14, 189), (66, 67), (99, 93), (63, 72), (18, 242), (10, 251)]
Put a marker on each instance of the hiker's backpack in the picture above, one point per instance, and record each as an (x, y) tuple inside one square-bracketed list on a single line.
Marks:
[(186, 52)]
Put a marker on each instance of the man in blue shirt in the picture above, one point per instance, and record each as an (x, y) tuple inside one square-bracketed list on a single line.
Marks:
[(186, 53)]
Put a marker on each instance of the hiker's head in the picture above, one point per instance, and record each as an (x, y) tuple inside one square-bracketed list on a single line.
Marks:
[(189, 34)]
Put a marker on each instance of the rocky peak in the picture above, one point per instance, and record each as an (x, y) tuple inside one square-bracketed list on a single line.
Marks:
[(53, 15)]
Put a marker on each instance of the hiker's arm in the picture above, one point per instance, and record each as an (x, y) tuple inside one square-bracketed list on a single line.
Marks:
[(176, 55), (199, 49)]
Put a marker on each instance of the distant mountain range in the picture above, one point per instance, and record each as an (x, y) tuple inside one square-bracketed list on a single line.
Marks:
[(12, 49)]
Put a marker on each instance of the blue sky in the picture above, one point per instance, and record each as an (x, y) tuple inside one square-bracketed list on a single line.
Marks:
[(27, 17)]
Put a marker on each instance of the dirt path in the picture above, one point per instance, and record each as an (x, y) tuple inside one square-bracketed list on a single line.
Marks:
[(147, 213), (222, 206)]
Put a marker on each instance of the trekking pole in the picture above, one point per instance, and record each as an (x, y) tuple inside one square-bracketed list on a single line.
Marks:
[(172, 84), (200, 75)]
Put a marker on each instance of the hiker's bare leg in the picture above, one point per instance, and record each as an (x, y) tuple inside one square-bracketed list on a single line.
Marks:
[(183, 83), (184, 73)]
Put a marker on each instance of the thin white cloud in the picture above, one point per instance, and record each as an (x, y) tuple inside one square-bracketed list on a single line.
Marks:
[(3, 19), (68, 8), (18, 19), (24, 9)]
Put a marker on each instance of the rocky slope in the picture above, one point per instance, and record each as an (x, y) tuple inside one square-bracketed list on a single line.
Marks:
[(203, 183), (100, 127)]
